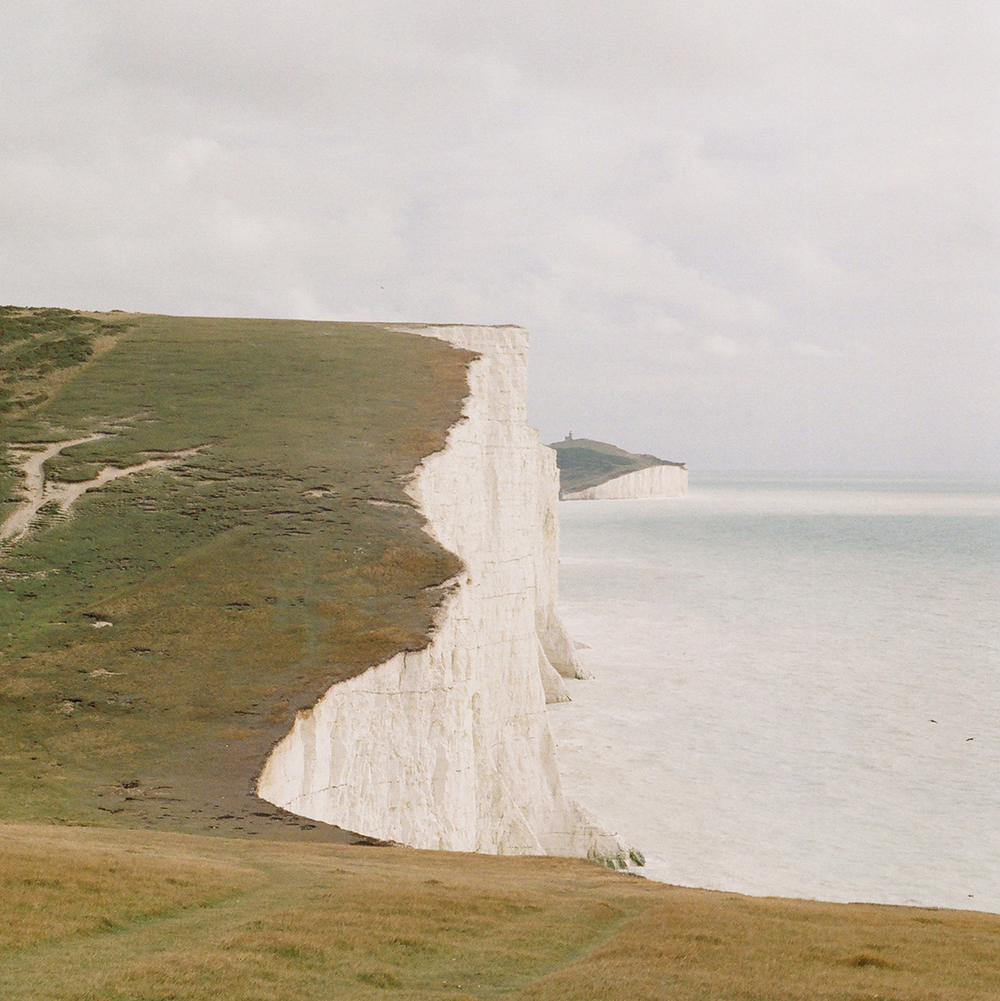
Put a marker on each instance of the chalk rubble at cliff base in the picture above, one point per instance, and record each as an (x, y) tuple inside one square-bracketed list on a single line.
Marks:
[(450, 747)]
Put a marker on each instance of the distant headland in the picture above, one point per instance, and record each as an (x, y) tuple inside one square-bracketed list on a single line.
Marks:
[(595, 470)]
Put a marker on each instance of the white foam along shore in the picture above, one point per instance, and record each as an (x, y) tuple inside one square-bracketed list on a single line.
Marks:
[(450, 747), (39, 491)]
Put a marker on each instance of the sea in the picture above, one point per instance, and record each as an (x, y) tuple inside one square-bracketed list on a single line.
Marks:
[(795, 684)]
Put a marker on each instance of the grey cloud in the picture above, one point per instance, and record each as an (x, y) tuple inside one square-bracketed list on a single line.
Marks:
[(752, 234)]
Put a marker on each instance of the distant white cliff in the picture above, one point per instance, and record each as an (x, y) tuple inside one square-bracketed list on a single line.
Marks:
[(450, 747), (651, 482), (597, 470)]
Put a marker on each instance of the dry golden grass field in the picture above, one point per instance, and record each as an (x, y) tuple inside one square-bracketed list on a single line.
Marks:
[(140, 915), (157, 638)]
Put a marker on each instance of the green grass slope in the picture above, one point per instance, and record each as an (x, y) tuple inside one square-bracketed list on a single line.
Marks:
[(240, 583), (585, 463)]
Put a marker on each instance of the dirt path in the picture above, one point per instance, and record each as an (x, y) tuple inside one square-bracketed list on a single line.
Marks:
[(39, 492)]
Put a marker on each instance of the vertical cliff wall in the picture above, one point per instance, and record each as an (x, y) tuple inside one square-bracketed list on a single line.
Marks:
[(449, 747), (651, 482)]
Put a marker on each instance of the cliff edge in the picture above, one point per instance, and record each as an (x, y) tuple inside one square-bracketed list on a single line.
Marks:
[(449, 746)]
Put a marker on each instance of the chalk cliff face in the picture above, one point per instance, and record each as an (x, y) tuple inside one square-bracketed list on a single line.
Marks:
[(652, 482), (449, 747)]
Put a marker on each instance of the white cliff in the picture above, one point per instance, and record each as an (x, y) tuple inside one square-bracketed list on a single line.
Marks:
[(450, 747), (651, 482)]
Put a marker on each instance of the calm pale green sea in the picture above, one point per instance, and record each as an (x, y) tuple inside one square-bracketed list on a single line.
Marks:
[(796, 685)]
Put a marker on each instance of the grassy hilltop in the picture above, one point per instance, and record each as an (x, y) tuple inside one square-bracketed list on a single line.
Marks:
[(246, 544), (240, 583)]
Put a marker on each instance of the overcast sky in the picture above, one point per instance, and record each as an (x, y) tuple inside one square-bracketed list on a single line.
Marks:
[(748, 234)]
